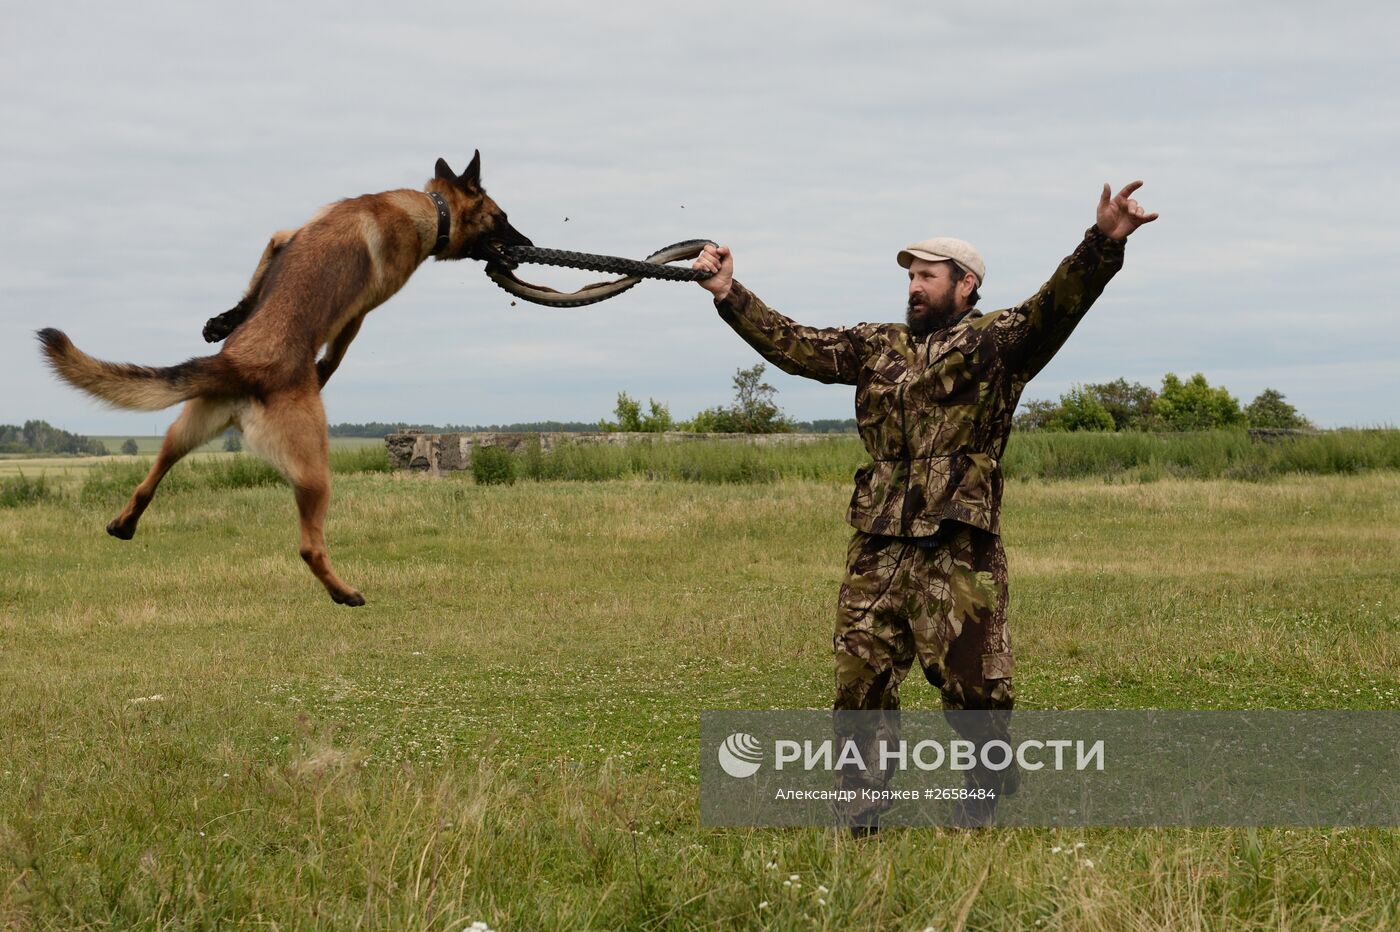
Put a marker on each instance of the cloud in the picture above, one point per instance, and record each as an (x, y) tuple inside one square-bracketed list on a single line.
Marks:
[(150, 150)]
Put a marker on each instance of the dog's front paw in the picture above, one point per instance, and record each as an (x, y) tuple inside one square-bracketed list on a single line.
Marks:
[(217, 329)]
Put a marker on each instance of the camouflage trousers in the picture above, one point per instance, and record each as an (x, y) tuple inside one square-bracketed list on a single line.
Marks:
[(940, 601)]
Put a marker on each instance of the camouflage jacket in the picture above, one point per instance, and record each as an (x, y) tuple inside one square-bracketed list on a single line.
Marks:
[(934, 412)]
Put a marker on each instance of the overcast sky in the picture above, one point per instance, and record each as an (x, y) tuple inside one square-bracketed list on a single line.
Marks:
[(150, 149)]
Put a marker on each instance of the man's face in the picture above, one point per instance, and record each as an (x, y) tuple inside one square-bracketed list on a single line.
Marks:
[(934, 299)]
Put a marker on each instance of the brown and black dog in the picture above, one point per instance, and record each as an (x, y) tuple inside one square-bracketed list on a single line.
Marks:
[(312, 288)]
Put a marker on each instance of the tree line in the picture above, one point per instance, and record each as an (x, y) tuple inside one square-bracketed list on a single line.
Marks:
[(1181, 404), (1120, 405), (43, 437)]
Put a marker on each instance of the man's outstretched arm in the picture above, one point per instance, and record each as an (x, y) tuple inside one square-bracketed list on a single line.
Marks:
[(1034, 331), (827, 354)]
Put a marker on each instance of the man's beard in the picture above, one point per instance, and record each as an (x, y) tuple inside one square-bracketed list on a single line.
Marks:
[(925, 318)]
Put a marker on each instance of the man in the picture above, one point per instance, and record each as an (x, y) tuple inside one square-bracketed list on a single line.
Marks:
[(926, 574)]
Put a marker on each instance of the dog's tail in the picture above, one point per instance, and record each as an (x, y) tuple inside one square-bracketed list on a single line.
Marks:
[(136, 388)]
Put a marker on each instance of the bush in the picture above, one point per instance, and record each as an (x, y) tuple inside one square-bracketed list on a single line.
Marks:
[(1080, 410), (631, 419), (129, 447), (493, 466), (16, 491)]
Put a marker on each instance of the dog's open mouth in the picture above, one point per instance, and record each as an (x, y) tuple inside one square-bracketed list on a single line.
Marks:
[(499, 256)]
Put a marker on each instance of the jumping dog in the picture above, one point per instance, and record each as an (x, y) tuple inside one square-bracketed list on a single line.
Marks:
[(311, 290)]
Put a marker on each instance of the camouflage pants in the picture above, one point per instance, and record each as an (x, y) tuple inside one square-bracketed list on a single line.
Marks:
[(940, 601)]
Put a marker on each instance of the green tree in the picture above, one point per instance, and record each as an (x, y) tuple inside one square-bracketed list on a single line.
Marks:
[(233, 442), (1079, 409), (754, 410), (754, 405), (658, 419), (630, 417), (129, 447), (1269, 409), (1196, 405), (1035, 415), (1128, 403)]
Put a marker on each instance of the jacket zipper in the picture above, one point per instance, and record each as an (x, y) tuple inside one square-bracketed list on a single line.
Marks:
[(908, 455), (926, 352), (908, 465)]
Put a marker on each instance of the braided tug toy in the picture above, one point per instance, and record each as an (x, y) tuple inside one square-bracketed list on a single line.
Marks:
[(633, 270), (653, 266)]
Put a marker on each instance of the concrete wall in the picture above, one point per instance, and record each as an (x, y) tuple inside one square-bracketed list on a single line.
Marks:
[(439, 454)]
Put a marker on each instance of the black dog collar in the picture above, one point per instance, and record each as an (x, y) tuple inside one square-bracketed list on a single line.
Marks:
[(444, 222)]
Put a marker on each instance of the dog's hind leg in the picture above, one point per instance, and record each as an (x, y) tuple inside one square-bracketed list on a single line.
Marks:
[(199, 421), (289, 430)]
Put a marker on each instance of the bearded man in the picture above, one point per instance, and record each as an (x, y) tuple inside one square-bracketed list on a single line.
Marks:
[(925, 570)]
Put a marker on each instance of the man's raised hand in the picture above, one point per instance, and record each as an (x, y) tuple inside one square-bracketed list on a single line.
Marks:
[(1120, 216), (716, 259)]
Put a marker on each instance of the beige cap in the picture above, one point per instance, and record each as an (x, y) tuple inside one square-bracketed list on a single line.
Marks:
[(943, 248)]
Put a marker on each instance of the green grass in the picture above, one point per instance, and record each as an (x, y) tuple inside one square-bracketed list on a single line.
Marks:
[(508, 731), (1125, 457), (1122, 457), (1217, 454), (110, 480), (149, 446)]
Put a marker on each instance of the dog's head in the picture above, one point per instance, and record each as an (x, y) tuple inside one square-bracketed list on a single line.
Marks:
[(480, 229)]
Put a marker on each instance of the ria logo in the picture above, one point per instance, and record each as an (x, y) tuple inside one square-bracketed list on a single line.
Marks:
[(740, 755)]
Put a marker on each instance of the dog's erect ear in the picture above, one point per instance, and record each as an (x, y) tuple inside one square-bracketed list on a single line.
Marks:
[(471, 178), (445, 172)]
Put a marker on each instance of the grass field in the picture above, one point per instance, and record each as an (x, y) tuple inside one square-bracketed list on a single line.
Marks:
[(148, 446), (194, 736), (83, 474)]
